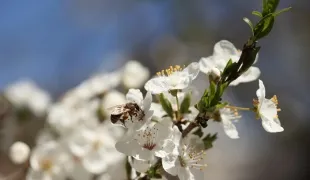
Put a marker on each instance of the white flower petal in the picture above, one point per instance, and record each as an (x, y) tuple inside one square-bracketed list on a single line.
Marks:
[(267, 108), (261, 90), (135, 74), (250, 75), (141, 165), (135, 95), (147, 101), (192, 70), (226, 48), (157, 85), (185, 174), (170, 164), (271, 125), (80, 142), (38, 175), (167, 148), (130, 148), (229, 128), (144, 154), (95, 162), (206, 64)]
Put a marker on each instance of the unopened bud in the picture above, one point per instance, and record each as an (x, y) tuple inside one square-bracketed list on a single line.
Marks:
[(19, 152), (215, 75)]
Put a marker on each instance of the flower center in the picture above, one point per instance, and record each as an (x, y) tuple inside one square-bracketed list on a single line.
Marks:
[(182, 161), (191, 157), (96, 145), (148, 138), (46, 164), (149, 146), (169, 71)]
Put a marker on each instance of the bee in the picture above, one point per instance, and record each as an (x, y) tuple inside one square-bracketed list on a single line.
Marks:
[(126, 112)]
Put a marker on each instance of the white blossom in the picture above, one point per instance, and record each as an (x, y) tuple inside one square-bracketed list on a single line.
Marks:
[(222, 53), (27, 94), (97, 84), (19, 152), (188, 154), (152, 140), (47, 162), (141, 166), (95, 148), (174, 78), (113, 98), (135, 74), (267, 110), (64, 118)]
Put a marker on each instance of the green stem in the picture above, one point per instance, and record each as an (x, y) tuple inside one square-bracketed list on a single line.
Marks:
[(239, 108)]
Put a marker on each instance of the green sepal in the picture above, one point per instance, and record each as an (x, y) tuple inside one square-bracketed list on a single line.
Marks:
[(281, 11), (166, 105), (248, 21), (198, 132), (184, 108), (209, 140), (221, 105), (257, 13)]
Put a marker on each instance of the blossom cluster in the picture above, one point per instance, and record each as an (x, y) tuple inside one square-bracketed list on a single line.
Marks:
[(96, 131)]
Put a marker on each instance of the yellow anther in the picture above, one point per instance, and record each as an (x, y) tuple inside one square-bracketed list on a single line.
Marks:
[(274, 99), (169, 71)]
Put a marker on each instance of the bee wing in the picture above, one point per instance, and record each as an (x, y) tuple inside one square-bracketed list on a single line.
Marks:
[(118, 109)]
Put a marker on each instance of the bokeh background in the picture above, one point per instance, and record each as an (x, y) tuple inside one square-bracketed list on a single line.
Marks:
[(60, 43)]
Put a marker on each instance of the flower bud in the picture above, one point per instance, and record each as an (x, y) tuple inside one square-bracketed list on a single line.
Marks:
[(19, 152)]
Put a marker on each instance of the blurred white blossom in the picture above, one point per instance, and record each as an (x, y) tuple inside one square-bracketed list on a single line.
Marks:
[(174, 78), (267, 110), (97, 84), (26, 94), (19, 152), (95, 148), (135, 74), (47, 162), (113, 98)]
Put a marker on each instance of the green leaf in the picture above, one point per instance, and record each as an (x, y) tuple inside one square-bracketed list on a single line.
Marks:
[(185, 104), (249, 23), (198, 132), (282, 11), (257, 13), (209, 140), (248, 57), (166, 105), (264, 27), (212, 88), (269, 6)]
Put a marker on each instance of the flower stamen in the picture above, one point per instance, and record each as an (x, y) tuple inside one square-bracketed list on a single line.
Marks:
[(170, 70)]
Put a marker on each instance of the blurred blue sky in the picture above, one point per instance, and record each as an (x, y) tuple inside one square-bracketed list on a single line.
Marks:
[(61, 42)]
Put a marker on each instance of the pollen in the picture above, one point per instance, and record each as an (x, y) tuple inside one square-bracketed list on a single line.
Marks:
[(170, 70), (255, 102), (46, 164), (274, 99)]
